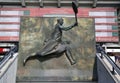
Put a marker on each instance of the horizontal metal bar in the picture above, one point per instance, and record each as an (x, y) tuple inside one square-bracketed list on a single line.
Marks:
[(55, 3), (65, 2), (108, 2)]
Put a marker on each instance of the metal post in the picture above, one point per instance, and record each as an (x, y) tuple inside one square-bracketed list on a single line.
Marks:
[(59, 5), (41, 3), (95, 3), (113, 71), (23, 3), (77, 2), (102, 53), (118, 20)]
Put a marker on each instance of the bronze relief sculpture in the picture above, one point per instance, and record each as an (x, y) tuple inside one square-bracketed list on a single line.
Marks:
[(48, 49), (54, 44)]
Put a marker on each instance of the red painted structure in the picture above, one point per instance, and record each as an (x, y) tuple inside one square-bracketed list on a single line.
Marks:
[(103, 17)]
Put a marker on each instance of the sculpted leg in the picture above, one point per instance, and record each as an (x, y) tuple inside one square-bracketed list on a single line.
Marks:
[(31, 57), (42, 53), (69, 56)]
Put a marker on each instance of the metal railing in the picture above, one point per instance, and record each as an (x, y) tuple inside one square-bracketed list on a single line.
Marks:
[(115, 68), (8, 71), (8, 55), (8, 66)]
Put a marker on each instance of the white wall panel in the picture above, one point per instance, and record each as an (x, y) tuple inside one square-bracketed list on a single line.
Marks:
[(9, 19), (11, 13), (9, 34), (103, 34), (103, 27), (104, 20), (101, 13), (9, 26)]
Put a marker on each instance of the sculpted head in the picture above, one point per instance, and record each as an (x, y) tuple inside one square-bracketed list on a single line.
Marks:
[(60, 21)]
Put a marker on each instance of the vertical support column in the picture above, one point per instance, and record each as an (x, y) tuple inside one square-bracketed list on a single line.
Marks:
[(59, 4), (23, 3), (95, 3), (41, 3), (118, 20)]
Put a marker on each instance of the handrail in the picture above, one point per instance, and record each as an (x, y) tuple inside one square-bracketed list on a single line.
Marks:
[(99, 49), (8, 55)]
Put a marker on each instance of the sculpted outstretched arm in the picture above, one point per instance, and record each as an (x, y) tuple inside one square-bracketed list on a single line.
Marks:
[(68, 27)]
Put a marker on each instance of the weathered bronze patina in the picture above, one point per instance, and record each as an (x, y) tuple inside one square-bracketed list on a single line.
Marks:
[(54, 44)]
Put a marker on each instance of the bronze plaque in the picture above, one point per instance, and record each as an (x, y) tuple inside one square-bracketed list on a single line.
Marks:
[(34, 30)]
